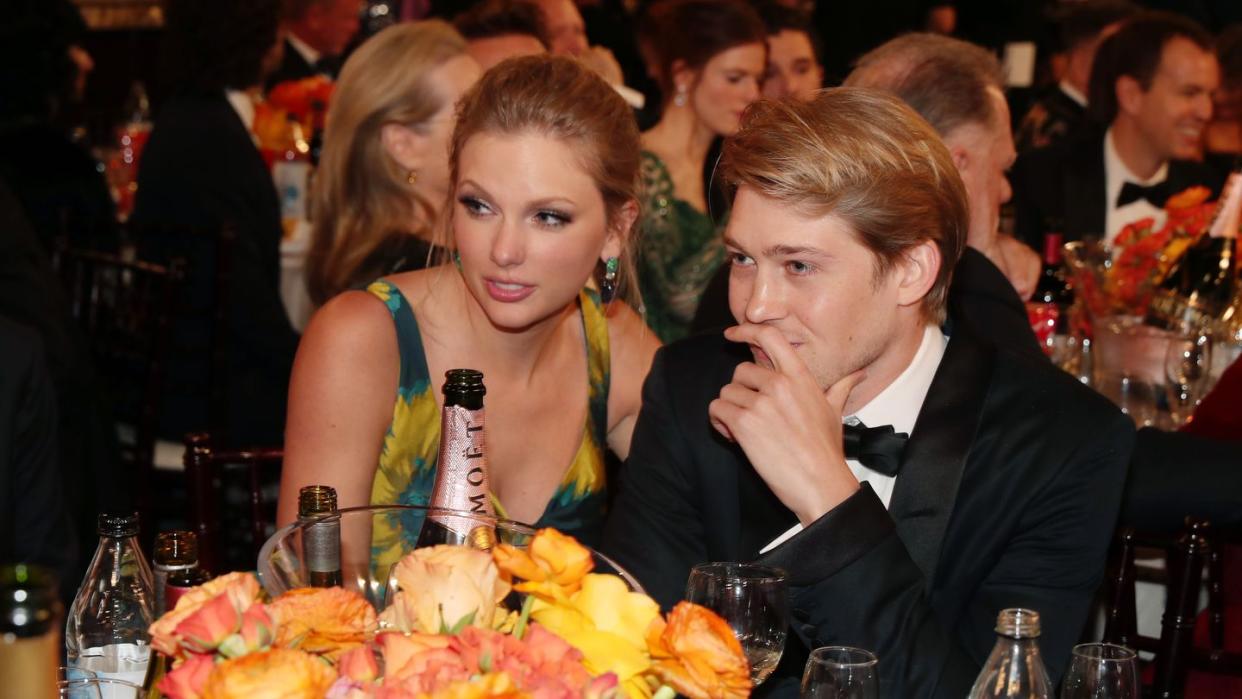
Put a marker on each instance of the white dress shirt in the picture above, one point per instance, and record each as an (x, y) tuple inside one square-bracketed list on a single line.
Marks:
[(897, 405), (1073, 93), (1117, 174)]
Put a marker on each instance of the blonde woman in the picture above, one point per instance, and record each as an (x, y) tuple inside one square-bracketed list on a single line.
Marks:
[(383, 174), (544, 169)]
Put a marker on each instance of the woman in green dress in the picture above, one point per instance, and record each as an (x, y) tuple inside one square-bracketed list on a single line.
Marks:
[(563, 367), (711, 64)]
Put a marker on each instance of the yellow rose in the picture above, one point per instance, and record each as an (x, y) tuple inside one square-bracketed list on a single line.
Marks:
[(444, 586), (608, 623), (553, 566), (278, 673)]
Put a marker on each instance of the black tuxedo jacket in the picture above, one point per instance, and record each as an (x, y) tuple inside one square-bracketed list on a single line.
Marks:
[(1007, 497), (292, 67), (201, 171), (1065, 183)]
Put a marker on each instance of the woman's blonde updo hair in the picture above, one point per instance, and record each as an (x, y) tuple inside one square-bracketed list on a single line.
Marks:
[(557, 97), (361, 195)]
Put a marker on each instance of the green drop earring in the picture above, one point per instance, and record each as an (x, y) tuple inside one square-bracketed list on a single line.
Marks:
[(608, 287)]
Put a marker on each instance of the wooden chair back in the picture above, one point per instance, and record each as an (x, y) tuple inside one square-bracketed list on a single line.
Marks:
[(205, 467)]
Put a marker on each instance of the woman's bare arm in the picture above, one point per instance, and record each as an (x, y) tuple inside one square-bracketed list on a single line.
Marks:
[(340, 401)]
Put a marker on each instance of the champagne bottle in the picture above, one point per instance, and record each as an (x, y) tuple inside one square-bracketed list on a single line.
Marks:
[(1015, 668), (321, 537), (1200, 284), (461, 468)]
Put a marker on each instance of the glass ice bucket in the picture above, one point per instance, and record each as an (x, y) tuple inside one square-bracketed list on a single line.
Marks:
[(373, 539)]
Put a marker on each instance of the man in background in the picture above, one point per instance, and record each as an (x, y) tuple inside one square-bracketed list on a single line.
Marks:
[(317, 32), (793, 54), (500, 29)]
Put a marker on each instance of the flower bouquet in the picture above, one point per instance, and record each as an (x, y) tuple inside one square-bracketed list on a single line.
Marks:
[(1122, 280), (448, 634)]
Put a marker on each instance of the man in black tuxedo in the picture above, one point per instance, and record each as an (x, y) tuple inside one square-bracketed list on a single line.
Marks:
[(848, 217), (1151, 84), (200, 173), (1062, 108), (317, 33)]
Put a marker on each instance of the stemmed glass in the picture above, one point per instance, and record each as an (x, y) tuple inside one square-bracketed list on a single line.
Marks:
[(1101, 671), (752, 599), (1187, 367), (840, 672)]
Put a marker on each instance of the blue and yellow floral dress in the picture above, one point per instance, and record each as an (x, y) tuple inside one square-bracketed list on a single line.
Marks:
[(407, 464)]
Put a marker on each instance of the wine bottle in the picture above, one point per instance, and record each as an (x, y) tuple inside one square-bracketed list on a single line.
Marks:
[(187, 575), (321, 536), (1015, 668), (174, 551), (1048, 309), (1200, 284), (461, 469)]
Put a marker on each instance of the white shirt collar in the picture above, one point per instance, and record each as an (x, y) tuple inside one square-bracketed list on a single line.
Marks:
[(1073, 93), (243, 105), (898, 405), (1116, 174), (304, 49)]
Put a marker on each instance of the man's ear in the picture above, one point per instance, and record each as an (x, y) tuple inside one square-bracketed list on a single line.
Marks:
[(916, 272), (1129, 94), (961, 157), (405, 145), (619, 230)]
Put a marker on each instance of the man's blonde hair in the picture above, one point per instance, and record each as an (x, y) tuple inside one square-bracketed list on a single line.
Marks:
[(866, 158)]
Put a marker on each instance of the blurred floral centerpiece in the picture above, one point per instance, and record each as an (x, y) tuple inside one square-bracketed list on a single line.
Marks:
[(1122, 280), (448, 634)]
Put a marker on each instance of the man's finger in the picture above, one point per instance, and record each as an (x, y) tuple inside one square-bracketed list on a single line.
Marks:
[(784, 357), (840, 391)]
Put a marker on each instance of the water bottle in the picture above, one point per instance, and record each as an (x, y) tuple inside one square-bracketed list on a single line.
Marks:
[(106, 630), (1015, 668)]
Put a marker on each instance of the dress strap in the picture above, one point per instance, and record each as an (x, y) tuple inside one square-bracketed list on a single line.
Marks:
[(415, 377), (599, 364)]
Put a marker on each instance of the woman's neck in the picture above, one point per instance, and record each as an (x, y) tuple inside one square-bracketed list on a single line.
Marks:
[(514, 355), (680, 135)]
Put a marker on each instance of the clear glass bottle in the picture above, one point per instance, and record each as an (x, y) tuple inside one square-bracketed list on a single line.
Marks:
[(106, 629), (30, 613), (321, 540), (186, 574), (461, 467), (1015, 668)]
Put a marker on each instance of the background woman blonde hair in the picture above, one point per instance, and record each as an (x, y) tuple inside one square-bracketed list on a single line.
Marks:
[(383, 174)]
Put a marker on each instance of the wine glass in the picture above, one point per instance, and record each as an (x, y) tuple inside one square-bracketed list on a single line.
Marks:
[(1101, 671), (840, 672), (98, 688), (752, 599), (1187, 366)]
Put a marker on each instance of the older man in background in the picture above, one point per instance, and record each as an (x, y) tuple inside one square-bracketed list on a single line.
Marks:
[(317, 32)]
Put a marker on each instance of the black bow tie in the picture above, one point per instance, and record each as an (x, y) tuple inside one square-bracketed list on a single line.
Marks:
[(877, 448), (1157, 193)]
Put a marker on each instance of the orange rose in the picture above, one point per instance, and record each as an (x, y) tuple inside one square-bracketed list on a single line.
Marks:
[(240, 589), (443, 587), (325, 621), (494, 685), (359, 664), (279, 673), (186, 681), (420, 662), (1187, 199), (553, 566), (697, 654)]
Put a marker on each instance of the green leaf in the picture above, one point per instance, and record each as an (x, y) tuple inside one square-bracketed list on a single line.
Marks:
[(462, 622)]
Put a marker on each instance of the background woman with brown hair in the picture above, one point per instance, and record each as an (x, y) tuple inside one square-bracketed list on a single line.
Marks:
[(544, 167), (383, 175), (712, 57)]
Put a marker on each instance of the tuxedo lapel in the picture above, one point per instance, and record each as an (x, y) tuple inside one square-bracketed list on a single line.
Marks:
[(1084, 191), (934, 458)]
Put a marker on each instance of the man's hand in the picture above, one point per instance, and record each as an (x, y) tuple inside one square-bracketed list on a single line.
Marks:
[(788, 427), (1020, 264)]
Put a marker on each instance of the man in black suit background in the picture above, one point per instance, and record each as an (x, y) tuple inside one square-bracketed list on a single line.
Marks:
[(1061, 110), (201, 173), (317, 33), (848, 218), (1151, 87)]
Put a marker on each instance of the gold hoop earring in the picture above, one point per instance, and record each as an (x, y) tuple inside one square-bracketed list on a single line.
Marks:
[(412, 177)]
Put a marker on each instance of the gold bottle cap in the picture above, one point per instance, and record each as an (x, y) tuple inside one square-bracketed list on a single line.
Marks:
[(482, 538)]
